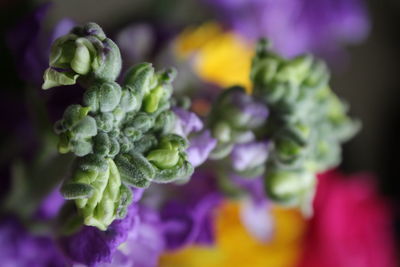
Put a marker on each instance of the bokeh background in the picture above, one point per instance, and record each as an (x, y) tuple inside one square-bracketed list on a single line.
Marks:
[(365, 73)]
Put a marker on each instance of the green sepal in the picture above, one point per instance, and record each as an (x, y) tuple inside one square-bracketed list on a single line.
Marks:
[(125, 199), (139, 77), (76, 190), (135, 169), (183, 169), (53, 78)]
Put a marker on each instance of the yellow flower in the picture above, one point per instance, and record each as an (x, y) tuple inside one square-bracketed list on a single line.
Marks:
[(218, 57), (235, 247)]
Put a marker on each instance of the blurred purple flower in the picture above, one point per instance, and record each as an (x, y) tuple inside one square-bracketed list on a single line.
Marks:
[(249, 155), (254, 187), (51, 205), (254, 210), (185, 224), (187, 122), (257, 220), (297, 26), (91, 246), (23, 249), (136, 42), (200, 147), (201, 144), (144, 244), (255, 113), (30, 45), (188, 217)]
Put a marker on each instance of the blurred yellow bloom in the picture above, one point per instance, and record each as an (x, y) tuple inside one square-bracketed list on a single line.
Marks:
[(235, 247), (218, 57)]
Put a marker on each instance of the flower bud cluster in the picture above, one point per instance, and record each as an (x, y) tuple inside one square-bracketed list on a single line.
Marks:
[(307, 123), (292, 125), (123, 136), (85, 52)]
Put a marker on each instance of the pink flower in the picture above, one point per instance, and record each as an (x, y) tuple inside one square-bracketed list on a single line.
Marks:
[(351, 226)]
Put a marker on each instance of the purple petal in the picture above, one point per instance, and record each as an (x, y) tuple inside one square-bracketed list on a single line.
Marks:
[(187, 122), (249, 155), (63, 27), (186, 224), (257, 220), (253, 186), (297, 26), (200, 147), (91, 246), (20, 248), (51, 205), (136, 42), (144, 245)]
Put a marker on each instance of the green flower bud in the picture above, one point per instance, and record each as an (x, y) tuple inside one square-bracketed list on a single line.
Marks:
[(82, 53), (264, 71), (288, 152), (111, 66), (81, 147), (102, 144), (90, 99), (163, 158), (289, 187), (63, 143), (153, 99), (114, 147), (100, 209), (109, 96), (140, 77), (142, 122), (165, 122), (135, 169), (182, 170), (221, 151), (168, 75), (86, 127), (125, 198), (119, 115), (147, 142), (125, 144), (222, 132), (76, 190), (73, 114), (92, 162), (105, 121), (130, 100)]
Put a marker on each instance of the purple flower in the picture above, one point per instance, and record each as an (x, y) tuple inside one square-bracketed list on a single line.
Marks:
[(136, 43), (200, 147), (23, 249), (51, 205), (188, 217), (91, 246), (254, 209), (257, 220), (254, 113), (297, 26), (144, 244), (249, 155), (187, 122), (30, 45), (201, 144)]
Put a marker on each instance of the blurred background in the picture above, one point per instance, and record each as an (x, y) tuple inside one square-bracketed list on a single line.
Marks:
[(361, 48)]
